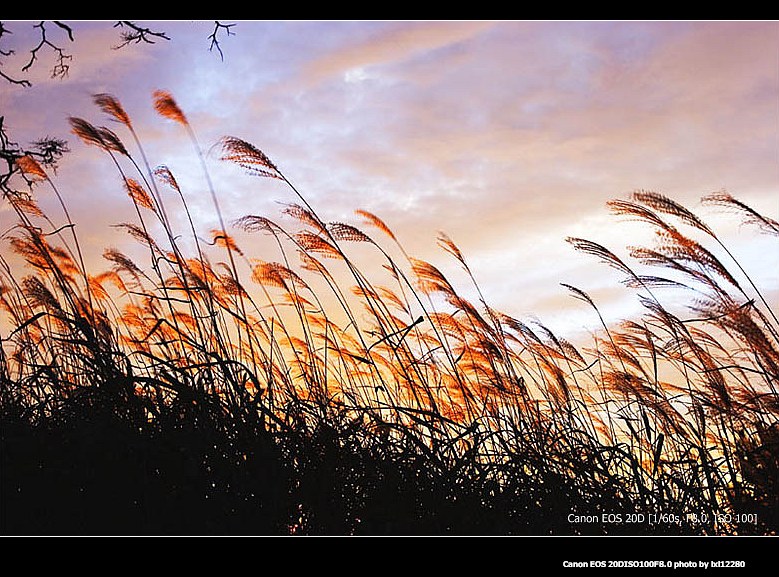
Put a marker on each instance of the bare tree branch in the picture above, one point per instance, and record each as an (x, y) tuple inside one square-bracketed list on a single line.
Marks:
[(131, 33), (214, 36), (62, 67), (136, 34), (66, 28), (25, 83), (4, 30), (22, 82), (47, 151)]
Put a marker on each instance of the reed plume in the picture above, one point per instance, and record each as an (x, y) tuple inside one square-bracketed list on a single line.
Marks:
[(299, 387)]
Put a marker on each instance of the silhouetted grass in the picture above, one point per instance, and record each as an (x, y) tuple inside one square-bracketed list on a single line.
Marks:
[(202, 390)]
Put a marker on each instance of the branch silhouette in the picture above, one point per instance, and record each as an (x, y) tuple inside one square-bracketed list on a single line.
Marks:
[(214, 37), (48, 150), (136, 34)]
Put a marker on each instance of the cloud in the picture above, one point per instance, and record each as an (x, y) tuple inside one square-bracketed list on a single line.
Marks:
[(508, 136), (388, 45)]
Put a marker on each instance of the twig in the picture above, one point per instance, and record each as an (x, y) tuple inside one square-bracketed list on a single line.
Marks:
[(60, 69), (137, 34), (215, 40)]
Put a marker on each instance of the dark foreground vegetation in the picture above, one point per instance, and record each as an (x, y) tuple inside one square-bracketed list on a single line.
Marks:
[(193, 388)]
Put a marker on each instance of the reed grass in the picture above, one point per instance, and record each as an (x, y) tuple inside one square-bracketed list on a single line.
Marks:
[(207, 391)]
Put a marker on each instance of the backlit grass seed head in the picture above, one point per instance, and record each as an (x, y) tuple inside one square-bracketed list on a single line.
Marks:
[(166, 106), (121, 261), (313, 242), (24, 203), (136, 191), (139, 234), (101, 137), (34, 249), (305, 216), (604, 254), (430, 279), (666, 205), (231, 286), (376, 222), (309, 263), (448, 245), (347, 232), (680, 247), (267, 274), (766, 224), (164, 174), (85, 131), (248, 156), (221, 238), (30, 167), (39, 295), (111, 106), (636, 211)]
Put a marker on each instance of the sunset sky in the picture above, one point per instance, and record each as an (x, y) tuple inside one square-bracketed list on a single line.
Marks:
[(509, 136)]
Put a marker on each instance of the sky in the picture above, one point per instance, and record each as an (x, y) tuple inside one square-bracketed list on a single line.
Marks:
[(509, 136)]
